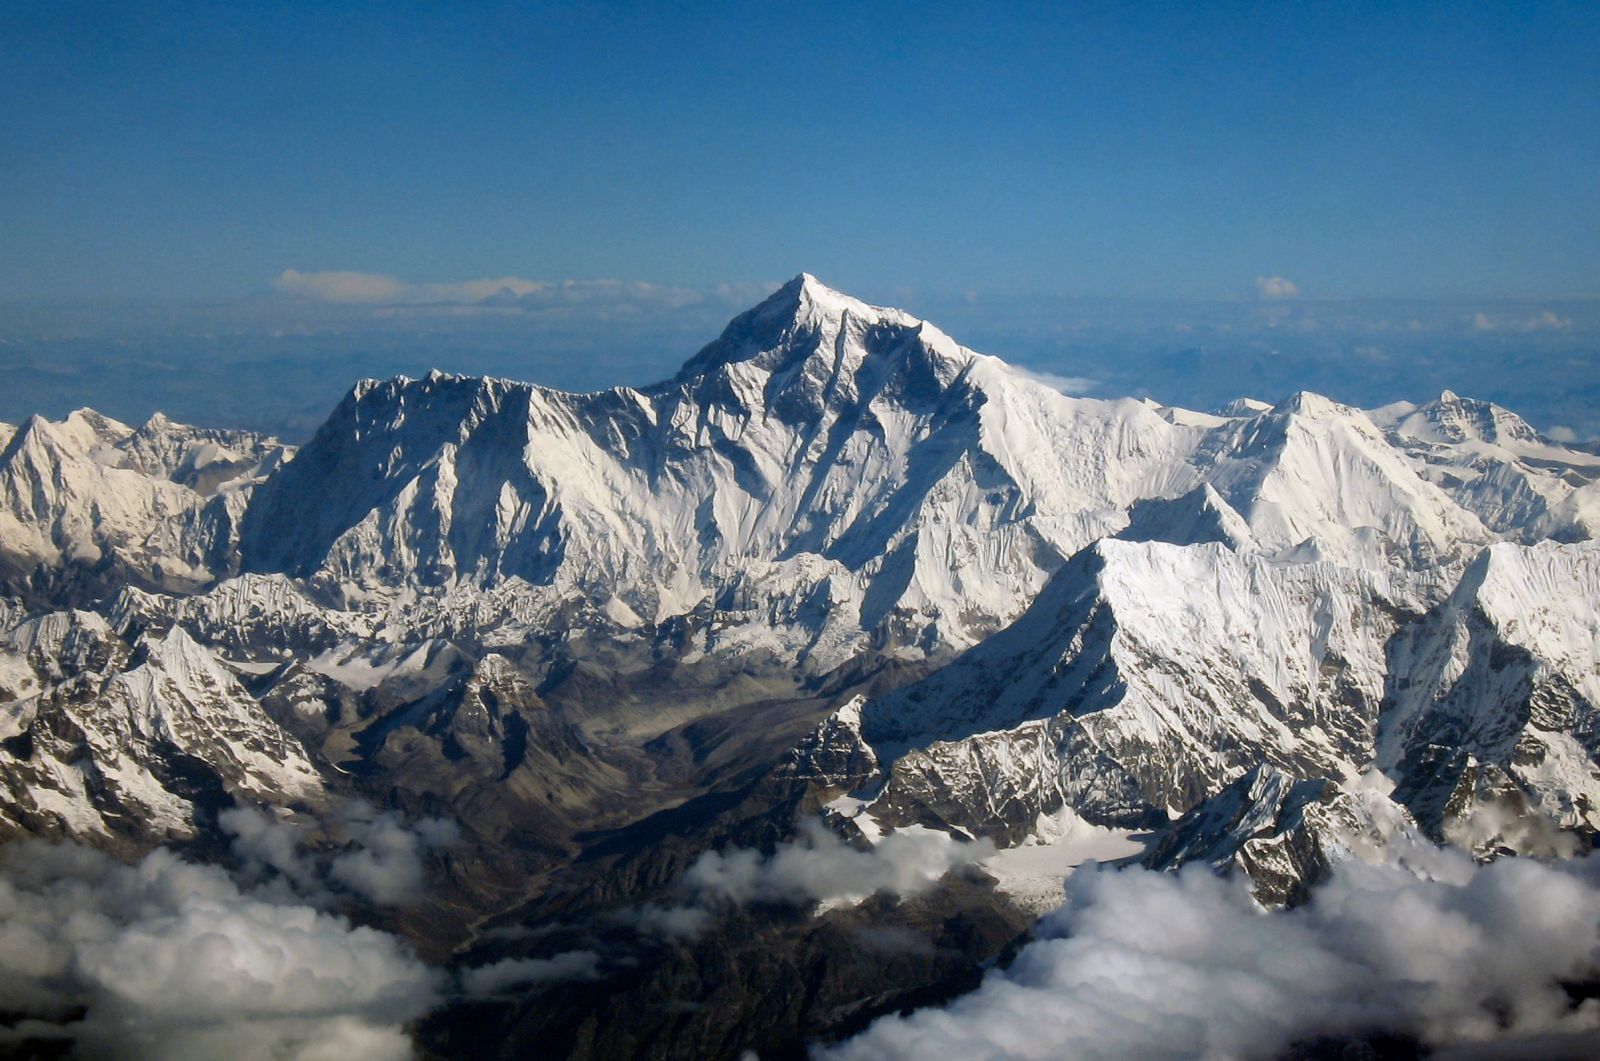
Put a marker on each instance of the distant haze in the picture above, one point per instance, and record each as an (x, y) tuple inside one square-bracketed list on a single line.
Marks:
[(279, 361)]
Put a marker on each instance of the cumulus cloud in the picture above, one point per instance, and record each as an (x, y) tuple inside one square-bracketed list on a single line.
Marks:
[(379, 857), (512, 972), (1144, 964), (166, 959), (819, 866), (1273, 288), (384, 861), (1561, 433)]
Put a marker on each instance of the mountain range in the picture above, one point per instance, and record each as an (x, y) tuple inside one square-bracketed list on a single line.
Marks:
[(837, 569)]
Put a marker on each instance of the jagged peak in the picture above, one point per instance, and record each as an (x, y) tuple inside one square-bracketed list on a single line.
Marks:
[(1452, 418), (79, 433)]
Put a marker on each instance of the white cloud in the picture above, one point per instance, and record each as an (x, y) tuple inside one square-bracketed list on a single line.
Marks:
[(817, 867), (821, 867), (671, 922), (506, 294), (165, 959), (385, 864), (1543, 321), (1273, 288), (1144, 964), (1560, 433), (496, 977), (345, 286), (381, 858)]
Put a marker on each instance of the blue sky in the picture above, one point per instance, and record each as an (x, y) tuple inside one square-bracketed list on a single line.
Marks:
[(1154, 150), (173, 172)]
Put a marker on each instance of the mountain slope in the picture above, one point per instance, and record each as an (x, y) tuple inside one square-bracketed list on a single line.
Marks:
[(820, 447)]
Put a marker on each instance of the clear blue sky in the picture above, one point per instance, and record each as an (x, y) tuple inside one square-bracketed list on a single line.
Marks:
[(1163, 150)]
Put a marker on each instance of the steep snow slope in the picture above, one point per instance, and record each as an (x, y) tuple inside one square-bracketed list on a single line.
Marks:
[(1143, 678), (157, 503), (1491, 462), (458, 574), (1148, 679), (825, 476), (820, 447), (100, 738), (1496, 696), (1315, 478)]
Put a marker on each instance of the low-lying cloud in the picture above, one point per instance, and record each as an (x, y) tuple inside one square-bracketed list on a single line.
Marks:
[(166, 959), (1145, 964), (816, 867), (378, 855), (1542, 321), (517, 972), (820, 867)]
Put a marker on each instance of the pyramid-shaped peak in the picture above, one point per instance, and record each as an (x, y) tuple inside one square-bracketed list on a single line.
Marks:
[(806, 316), (807, 297)]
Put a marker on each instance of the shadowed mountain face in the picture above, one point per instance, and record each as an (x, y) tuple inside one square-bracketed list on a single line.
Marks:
[(633, 646)]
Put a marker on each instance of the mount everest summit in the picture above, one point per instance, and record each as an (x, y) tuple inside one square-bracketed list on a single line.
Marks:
[(838, 567)]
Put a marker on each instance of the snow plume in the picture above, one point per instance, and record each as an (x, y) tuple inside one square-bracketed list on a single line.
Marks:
[(381, 859), (1145, 964), (166, 959)]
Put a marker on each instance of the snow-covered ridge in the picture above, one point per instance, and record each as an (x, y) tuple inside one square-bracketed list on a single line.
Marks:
[(158, 502), (1137, 605)]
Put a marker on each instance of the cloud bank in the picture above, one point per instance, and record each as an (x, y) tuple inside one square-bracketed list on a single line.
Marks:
[(494, 978), (1145, 964), (504, 294), (165, 959), (380, 860), (816, 867), (819, 867)]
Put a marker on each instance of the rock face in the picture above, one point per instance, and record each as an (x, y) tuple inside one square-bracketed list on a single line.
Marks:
[(1144, 678), (1491, 462), (92, 501), (1284, 834), (1503, 676), (1149, 679), (836, 554), (131, 743)]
